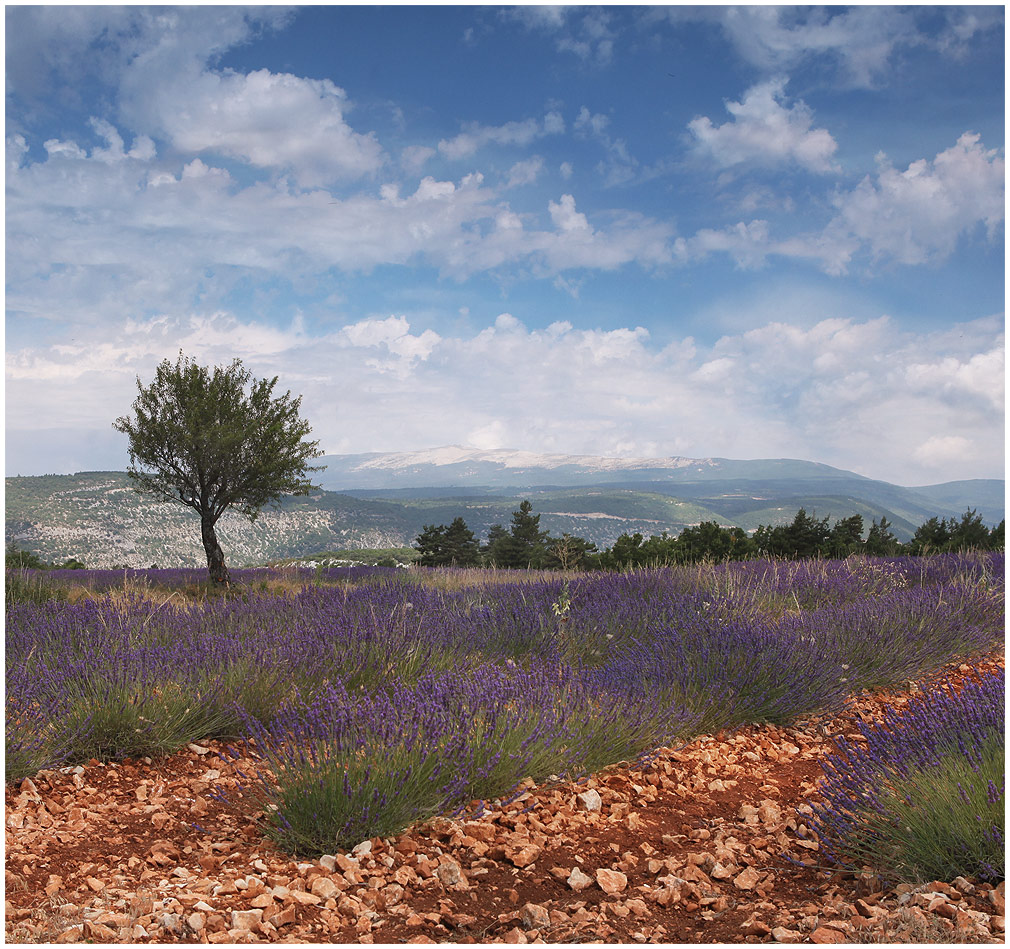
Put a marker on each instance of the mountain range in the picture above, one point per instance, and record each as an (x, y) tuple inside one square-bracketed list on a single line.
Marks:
[(382, 500)]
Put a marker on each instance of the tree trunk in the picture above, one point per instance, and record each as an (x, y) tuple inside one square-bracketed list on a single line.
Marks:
[(215, 555)]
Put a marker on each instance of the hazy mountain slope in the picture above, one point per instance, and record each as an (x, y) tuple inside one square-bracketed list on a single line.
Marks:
[(987, 496), (98, 517), (732, 488)]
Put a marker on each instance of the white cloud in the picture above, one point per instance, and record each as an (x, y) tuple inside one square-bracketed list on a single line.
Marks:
[(189, 228), (57, 149), (153, 64), (859, 40), (618, 166), (271, 120), (919, 214), (476, 136), (413, 157), (940, 451), (586, 33), (915, 216), (764, 132), (566, 218), (747, 244), (524, 172), (863, 395), (856, 46), (964, 24)]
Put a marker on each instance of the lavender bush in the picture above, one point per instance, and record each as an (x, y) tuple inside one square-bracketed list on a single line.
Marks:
[(923, 798), (342, 767), (315, 662)]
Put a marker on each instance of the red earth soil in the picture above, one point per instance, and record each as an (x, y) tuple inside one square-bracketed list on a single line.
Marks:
[(701, 844)]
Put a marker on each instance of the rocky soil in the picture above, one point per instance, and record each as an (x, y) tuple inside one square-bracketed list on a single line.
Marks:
[(702, 844)]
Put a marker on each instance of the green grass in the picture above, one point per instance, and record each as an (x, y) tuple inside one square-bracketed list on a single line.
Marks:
[(934, 825)]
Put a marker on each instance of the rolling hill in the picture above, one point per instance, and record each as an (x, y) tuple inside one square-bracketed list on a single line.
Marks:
[(383, 501)]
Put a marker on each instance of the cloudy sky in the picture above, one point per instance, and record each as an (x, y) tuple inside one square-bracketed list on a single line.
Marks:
[(631, 231)]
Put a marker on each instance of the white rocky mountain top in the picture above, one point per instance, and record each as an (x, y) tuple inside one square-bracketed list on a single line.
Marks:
[(510, 458)]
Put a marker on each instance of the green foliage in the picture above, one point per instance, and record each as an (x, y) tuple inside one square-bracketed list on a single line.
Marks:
[(494, 550), (342, 799), (806, 536), (525, 545), (969, 534), (29, 586), (569, 553), (932, 825), (199, 439), (931, 537), (846, 537), (17, 559), (452, 546), (880, 542), (115, 720), (948, 534)]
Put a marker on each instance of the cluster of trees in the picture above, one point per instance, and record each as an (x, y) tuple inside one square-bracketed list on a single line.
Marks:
[(968, 533), (526, 545), (522, 545), (15, 558)]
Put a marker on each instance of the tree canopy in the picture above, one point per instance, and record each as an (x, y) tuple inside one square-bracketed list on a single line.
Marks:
[(452, 546), (216, 439)]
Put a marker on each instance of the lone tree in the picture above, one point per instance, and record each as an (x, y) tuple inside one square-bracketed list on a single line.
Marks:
[(199, 439)]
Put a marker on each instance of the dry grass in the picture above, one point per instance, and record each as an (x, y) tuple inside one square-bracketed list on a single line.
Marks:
[(910, 926)]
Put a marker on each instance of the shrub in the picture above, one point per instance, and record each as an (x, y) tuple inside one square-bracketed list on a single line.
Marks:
[(923, 798)]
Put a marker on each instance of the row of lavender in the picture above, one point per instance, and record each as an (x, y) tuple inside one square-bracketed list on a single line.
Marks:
[(376, 699), (923, 795)]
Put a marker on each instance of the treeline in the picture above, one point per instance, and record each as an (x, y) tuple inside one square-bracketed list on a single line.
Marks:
[(15, 559), (525, 545)]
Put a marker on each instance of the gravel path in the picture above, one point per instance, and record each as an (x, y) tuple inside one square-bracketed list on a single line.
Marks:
[(701, 845)]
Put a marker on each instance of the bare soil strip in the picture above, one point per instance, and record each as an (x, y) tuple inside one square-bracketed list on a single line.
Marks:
[(702, 844)]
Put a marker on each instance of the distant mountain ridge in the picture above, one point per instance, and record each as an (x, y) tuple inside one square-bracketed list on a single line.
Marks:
[(453, 466), (98, 517)]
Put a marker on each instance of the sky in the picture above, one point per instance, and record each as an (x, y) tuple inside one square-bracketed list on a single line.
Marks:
[(738, 232)]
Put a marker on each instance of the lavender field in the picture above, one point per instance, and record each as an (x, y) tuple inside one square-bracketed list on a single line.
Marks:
[(375, 697)]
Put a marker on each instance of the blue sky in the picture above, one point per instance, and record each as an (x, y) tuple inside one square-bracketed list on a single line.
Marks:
[(630, 231)]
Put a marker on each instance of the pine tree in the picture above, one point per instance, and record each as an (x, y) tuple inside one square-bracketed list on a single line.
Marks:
[(880, 542), (526, 545), (461, 547), (430, 544)]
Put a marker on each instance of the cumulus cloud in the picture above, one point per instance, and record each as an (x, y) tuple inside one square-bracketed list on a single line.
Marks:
[(919, 214), (156, 64), (765, 132), (911, 217), (185, 229), (863, 395), (271, 120)]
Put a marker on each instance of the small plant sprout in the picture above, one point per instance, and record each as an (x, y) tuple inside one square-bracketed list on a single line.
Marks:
[(562, 604)]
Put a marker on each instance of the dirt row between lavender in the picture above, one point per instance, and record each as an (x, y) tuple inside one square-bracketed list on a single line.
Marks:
[(702, 844)]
